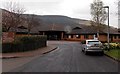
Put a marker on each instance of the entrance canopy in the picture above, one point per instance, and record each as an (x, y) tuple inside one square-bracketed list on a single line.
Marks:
[(52, 34)]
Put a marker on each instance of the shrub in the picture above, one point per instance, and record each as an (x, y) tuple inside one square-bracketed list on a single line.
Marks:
[(112, 45), (83, 42)]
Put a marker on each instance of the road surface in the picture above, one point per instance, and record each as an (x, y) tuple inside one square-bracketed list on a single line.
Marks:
[(69, 58)]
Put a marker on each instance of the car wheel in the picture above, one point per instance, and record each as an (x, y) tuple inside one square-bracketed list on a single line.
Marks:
[(86, 52), (102, 53), (82, 50)]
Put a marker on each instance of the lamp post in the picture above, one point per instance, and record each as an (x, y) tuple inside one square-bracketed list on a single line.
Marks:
[(108, 28)]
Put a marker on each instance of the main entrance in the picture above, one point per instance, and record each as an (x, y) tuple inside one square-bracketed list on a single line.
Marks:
[(53, 35)]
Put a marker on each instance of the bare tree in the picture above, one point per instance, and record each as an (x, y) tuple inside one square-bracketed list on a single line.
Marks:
[(7, 21), (119, 14), (11, 17), (0, 23), (68, 29), (32, 21), (98, 13)]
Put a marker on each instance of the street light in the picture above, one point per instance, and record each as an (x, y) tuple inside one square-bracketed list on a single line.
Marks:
[(108, 27)]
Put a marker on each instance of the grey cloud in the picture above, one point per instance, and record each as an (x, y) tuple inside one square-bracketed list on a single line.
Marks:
[(43, 6)]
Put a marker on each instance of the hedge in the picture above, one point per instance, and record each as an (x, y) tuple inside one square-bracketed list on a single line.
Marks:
[(24, 43)]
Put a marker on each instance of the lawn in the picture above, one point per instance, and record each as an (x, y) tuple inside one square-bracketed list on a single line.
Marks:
[(114, 53)]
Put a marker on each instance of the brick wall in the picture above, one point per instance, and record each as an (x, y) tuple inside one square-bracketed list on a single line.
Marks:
[(102, 38), (117, 39)]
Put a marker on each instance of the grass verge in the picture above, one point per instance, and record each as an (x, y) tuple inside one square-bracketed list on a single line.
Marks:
[(114, 53)]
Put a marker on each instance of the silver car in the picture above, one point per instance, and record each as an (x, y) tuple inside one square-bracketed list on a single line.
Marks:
[(93, 46)]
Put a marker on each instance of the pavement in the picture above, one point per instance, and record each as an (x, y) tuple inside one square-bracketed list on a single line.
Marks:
[(36, 52)]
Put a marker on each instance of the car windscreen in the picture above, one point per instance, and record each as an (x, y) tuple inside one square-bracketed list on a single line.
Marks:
[(93, 42)]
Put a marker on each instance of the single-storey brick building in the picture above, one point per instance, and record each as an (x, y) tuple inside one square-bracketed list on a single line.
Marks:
[(58, 27), (80, 34)]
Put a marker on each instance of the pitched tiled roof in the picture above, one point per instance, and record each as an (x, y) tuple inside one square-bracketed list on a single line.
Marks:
[(92, 30)]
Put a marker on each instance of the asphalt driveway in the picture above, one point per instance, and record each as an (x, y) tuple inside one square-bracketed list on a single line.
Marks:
[(69, 58)]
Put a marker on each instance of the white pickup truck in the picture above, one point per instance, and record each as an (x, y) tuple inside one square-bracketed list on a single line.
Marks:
[(92, 46)]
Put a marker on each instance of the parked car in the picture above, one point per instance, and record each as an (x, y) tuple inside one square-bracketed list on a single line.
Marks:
[(92, 46)]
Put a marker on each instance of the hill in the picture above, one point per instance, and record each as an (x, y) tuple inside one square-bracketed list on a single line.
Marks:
[(63, 23)]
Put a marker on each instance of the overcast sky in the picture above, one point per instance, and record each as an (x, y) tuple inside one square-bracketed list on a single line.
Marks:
[(72, 8)]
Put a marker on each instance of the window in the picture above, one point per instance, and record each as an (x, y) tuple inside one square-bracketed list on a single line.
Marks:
[(93, 42), (69, 36), (78, 36), (86, 36), (115, 37), (119, 36)]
